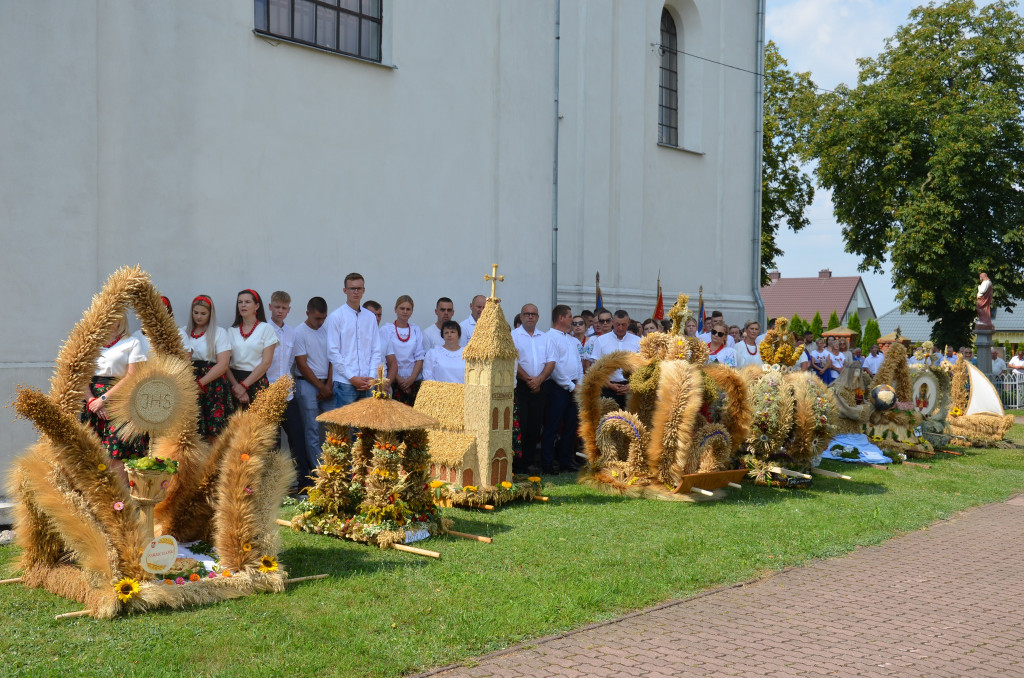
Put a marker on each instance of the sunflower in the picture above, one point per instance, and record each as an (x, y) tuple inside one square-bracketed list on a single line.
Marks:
[(268, 564), (434, 484), (126, 589), (469, 488), (534, 479), (506, 484), (101, 467), (247, 547)]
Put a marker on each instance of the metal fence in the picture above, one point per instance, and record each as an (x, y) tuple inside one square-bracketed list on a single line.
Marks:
[(1011, 390)]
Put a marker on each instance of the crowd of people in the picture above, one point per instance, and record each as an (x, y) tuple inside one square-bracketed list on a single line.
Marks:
[(334, 357)]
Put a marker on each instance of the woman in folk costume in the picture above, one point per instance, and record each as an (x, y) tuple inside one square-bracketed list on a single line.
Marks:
[(252, 349), (210, 349), (402, 345), (117, 360)]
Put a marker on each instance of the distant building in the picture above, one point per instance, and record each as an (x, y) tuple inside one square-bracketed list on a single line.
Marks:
[(784, 297), (1009, 327)]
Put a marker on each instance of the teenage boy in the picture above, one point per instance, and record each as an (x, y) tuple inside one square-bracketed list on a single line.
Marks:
[(280, 306), (353, 345), (314, 389)]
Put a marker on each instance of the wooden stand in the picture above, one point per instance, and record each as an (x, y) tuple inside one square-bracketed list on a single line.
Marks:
[(472, 537), (309, 578), (10, 581), (829, 474), (413, 549), (149, 489), (788, 472), (283, 523), (709, 481), (72, 615)]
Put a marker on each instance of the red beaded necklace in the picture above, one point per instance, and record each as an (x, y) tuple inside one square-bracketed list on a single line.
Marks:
[(117, 339), (246, 335), (407, 337), (754, 352), (200, 335), (716, 351)]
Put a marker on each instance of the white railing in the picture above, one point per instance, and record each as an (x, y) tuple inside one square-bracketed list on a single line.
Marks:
[(1011, 390)]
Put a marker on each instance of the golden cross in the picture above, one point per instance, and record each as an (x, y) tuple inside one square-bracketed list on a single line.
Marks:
[(494, 279), (380, 384)]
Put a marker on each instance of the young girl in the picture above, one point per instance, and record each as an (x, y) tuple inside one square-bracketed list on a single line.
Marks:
[(252, 349), (402, 345), (117, 360), (210, 349)]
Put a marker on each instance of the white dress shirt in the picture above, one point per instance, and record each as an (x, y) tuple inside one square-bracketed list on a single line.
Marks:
[(312, 344), (534, 351), (998, 366), (247, 352), (199, 346), (609, 343), (406, 352), (467, 325), (1017, 364), (565, 351), (444, 365), (871, 363), (432, 337), (283, 355), (353, 343)]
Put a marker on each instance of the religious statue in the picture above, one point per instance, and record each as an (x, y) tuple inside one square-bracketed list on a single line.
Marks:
[(985, 302)]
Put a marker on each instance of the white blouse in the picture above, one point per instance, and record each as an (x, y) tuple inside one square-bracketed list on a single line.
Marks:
[(144, 341), (441, 364), (247, 353), (405, 352), (114, 361), (198, 345), (725, 356), (743, 355)]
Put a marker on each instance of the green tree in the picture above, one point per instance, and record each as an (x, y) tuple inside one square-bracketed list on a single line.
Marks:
[(816, 325), (925, 160), (796, 324), (833, 321), (854, 324), (871, 335), (786, 189)]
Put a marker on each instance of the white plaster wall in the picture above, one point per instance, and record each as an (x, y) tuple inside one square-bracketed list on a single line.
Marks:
[(629, 207)]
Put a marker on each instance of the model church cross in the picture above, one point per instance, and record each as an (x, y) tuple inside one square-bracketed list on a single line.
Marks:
[(494, 279)]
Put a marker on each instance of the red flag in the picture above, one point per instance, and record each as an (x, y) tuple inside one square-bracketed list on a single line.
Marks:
[(659, 309)]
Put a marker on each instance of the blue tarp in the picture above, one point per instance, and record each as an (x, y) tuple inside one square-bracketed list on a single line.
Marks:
[(869, 452)]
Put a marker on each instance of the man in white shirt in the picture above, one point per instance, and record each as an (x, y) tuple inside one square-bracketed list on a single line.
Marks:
[(561, 415), (532, 370), (1017, 361), (314, 386), (998, 364), (476, 307), (444, 310), (353, 345), (950, 355), (872, 361), (619, 339), (280, 306), (588, 321), (602, 326)]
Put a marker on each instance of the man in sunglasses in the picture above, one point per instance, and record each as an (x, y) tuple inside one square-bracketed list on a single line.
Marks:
[(619, 339), (602, 326)]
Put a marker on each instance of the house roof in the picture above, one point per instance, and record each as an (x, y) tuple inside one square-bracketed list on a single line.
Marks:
[(807, 296), (917, 327)]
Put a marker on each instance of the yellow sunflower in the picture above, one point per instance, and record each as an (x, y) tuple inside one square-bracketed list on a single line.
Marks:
[(534, 479), (434, 484), (268, 564), (506, 484), (126, 589)]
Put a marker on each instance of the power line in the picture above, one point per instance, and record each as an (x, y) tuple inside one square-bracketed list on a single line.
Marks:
[(663, 48)]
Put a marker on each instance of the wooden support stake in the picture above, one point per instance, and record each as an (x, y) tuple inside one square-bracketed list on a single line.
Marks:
[(486, 507), (736, 486), (788, 472), (700, 491), (829, 474), (910, 463), (72, 615), (413, 549), (473, 537), (10, 581), (539, 498), (283, 523), (309, 578), (881, 466), (958, 454)]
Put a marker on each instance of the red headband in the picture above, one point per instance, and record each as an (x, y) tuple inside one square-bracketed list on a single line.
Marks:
[(254, 295), (203, 297), (165, 301)]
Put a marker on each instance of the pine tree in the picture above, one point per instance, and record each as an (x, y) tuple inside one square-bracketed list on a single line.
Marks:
[(871, 336), (796, 325), (833, 321), (816, 325), (854, 325)]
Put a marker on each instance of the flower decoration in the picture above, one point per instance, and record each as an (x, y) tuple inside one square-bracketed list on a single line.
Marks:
[(268, 564), (164, 484), (118, 505), (179, 581), (212, 575), (956, 412), (506, 484), (470, 488), (101, 467), (248, 490), (194, 577), (434, 484), (126, 589), (247, 547), (534, 479), (245, 457), (169, 582), (226, 573)]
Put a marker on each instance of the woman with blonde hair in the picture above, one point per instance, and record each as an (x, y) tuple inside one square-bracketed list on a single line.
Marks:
[(401, 342), (718, 351), (748, 351), (210, 349)]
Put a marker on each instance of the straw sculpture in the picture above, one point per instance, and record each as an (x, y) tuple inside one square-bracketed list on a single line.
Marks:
[(814, 418), (80, 527), (680, 396), (588, 395), (894, 372)]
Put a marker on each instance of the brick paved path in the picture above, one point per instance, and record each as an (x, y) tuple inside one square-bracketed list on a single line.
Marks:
[(945, 601)]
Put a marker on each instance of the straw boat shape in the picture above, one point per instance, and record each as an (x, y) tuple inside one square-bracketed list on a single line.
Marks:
[(378, 414)]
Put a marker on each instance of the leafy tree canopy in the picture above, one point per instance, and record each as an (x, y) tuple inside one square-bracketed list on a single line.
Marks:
[(786, 189), (871, 336), (854, 323), (925, 158), (833, 321), (816, 326)]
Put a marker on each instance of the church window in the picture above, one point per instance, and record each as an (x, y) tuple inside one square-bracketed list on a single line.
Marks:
[(467, 477), (494, 419), (508, 417), (350, 27), (499, 467), (668, 83)]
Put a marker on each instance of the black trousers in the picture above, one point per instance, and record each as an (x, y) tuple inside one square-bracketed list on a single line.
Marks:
[(293, 428), (561, 420), (620, 399), (531, 417)]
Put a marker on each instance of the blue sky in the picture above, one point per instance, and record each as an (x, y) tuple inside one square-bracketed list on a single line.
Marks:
[(826, 37)]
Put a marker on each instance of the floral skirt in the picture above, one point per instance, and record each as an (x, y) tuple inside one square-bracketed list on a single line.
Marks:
[(517, 434), (255, 388), (406, 397), (214, 402), (108, 432)]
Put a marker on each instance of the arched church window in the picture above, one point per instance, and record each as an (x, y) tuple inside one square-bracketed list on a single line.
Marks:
[(467, 477), (668, 83), (508, 418), (494, 419)]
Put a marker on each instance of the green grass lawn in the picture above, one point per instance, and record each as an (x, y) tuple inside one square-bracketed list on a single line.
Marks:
[(582, 557)]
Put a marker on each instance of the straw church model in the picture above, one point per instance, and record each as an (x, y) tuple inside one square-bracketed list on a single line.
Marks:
[(471, 446)]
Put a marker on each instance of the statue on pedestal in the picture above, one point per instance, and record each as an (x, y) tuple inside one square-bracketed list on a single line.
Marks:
[(984, 302)]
